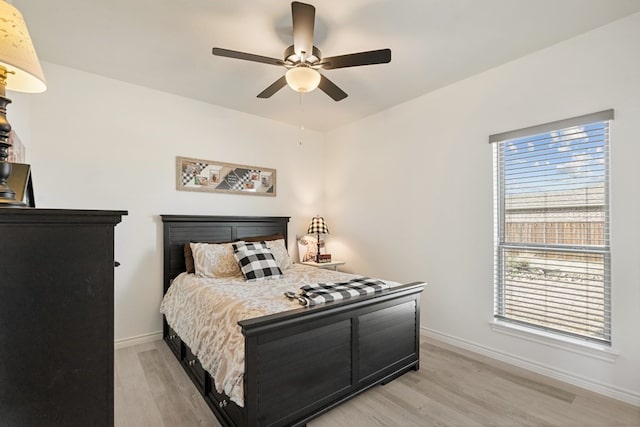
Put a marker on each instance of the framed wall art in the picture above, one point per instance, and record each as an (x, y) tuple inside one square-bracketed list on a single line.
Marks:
[(217, 177)]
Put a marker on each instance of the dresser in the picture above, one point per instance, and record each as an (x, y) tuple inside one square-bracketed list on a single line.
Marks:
[(56, 317)]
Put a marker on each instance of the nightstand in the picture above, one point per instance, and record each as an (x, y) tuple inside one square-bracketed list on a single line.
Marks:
[(333, 265)]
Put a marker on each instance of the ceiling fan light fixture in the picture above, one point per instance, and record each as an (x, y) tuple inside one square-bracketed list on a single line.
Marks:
[(302, 79)]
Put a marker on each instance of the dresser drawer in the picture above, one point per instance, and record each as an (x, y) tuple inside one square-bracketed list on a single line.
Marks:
[(195, 370)]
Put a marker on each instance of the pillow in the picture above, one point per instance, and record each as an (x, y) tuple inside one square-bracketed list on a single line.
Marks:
[(279, 251), (257, 264), (188, 254), (214, 260), (243, 246), (188, 259), (277, 248), (263, 238)]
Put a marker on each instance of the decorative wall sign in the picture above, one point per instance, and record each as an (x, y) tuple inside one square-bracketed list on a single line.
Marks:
[(217, 177), (307, 247)]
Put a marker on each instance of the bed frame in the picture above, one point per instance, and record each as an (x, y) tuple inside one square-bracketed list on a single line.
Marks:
[(300, 363)]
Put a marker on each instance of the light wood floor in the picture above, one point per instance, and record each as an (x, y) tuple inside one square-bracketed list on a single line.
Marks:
[(452, 388)]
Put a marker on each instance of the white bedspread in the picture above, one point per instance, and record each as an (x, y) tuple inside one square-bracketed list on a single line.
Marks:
[(205, 314)]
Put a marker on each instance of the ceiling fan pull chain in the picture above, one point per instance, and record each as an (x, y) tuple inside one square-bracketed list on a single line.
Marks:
[(301, 115), (301, 134)]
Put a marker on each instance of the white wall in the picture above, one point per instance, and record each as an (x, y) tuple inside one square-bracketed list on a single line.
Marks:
[(97, 143), (409, 196)]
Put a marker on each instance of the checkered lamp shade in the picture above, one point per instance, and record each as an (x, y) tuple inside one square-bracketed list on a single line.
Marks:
[(318, 226)]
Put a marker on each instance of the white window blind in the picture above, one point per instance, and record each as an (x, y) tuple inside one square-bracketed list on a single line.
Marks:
[(552, 263)]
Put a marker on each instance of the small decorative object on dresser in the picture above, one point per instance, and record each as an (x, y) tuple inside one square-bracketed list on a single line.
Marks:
[(17, 151), (20, 182), (56, 312)]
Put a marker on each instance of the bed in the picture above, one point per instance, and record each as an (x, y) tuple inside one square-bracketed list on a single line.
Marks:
[(304, 361)]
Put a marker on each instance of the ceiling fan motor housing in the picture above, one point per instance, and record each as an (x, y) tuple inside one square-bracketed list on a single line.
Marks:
[(292, 58)]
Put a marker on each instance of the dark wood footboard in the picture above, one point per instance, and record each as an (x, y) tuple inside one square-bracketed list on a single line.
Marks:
[(300, 363)]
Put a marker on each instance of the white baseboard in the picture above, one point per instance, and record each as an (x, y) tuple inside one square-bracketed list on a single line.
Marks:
[(140, 339), (627, 396)]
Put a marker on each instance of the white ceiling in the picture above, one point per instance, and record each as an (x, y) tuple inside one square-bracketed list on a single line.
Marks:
[(166, 45)]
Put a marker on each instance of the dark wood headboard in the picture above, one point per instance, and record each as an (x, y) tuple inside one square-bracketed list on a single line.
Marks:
[(180, 229)]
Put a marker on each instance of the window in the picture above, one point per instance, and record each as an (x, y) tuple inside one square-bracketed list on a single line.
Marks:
[(552, 262)]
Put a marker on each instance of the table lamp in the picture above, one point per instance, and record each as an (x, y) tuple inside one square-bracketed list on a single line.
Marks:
[(317, 227), (20, 71)]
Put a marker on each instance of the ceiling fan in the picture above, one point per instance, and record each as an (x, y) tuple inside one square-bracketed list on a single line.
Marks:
[(303, 59)]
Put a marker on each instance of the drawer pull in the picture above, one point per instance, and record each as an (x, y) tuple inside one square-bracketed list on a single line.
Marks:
[(223, 403), (191, 362)]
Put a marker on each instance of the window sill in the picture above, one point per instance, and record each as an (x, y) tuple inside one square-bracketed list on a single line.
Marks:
[(585, 348)]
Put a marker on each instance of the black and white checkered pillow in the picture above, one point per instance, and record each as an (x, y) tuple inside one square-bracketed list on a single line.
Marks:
[(249, 246), (257, 264)]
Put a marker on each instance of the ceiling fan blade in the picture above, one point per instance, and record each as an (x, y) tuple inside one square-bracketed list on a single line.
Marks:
[(246, 56), (381, 56), (275, 86), (328, 87), (304, 16)]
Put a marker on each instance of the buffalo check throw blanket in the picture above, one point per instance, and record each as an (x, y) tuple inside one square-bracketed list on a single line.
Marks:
[(320, 293)]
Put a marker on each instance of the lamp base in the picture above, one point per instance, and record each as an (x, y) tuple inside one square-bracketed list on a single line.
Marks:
[(317, 249), (11, 203)]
